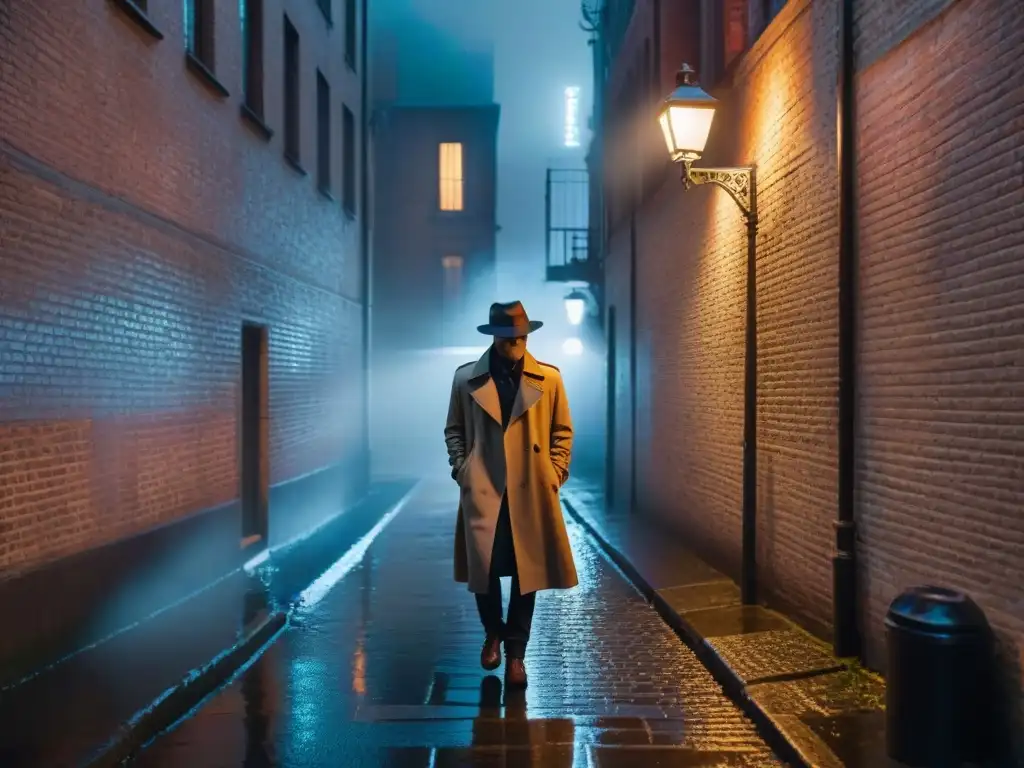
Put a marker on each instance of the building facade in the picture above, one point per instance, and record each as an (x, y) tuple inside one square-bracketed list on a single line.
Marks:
[(939, 320), (434, 224), (182, 272)]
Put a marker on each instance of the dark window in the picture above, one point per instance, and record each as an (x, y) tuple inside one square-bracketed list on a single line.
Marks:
[(771, 8), (252, 54), (199, 30), (348, 159), (325, 9), (323, 133), (734, 29), (291, 91), (350, 34)]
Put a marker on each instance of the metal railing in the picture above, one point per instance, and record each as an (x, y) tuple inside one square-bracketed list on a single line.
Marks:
[(567, 218)]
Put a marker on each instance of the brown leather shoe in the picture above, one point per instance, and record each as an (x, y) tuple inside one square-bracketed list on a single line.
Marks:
[(515, 673), (490, 656)]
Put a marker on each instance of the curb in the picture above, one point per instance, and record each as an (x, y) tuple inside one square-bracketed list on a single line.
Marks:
[(177, 701), (732, 685)]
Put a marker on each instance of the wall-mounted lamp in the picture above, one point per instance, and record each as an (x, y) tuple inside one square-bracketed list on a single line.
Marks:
[(575, 306), (686, 118)]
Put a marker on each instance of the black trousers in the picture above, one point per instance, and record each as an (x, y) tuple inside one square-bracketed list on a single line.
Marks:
[(515, 629)]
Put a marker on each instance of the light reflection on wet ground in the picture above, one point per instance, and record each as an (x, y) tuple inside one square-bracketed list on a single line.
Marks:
[(384, 671)]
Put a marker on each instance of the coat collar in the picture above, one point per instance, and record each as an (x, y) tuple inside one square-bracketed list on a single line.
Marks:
[(483, 390)]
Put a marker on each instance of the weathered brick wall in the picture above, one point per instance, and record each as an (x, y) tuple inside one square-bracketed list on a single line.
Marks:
[(779, 114), (940, 465), (940, 109), (141, 220)]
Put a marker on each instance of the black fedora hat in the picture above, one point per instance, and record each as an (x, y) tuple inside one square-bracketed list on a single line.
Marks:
[(509, 321)]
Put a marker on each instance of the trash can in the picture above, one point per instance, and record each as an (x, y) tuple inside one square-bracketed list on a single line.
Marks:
[(939, 688)]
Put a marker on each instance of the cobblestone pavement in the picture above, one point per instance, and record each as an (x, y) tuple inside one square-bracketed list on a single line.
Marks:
[(384, 670)]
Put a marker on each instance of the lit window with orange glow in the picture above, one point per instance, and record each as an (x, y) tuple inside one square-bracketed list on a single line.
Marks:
[(450, 174)]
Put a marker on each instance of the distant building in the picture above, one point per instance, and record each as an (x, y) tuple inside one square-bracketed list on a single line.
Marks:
[(435, 131), (181, 295)]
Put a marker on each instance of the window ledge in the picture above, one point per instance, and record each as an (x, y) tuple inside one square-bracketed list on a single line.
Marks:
[(139, 16), (199, 69), (295, 164), (326, 193), (256, 122)]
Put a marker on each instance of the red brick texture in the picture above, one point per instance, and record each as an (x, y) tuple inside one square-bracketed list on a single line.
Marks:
[(141, 221), (940, 475), (940, 467)]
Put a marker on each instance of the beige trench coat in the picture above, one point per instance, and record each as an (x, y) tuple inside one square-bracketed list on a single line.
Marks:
[(529, 460)]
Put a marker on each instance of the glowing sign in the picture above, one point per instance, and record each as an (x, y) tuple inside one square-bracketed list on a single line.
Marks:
[(572, 110)]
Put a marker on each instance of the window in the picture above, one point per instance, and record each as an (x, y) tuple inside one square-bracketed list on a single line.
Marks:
[(771, 8), (451, 176), (323, 133), (350, 34), (199, 30), (348, 159), (735, 30), (291, 91), (325, 9), (251, 12)]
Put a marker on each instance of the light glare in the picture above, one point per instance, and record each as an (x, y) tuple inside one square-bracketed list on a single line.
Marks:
[(572, 346)]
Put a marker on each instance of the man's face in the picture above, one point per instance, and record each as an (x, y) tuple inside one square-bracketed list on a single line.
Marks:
[(512, 349)]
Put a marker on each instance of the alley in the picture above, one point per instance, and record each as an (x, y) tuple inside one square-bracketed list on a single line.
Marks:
[(382, 670)]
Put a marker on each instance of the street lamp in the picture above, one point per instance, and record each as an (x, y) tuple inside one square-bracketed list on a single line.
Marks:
[(575, 306), (686, 117)]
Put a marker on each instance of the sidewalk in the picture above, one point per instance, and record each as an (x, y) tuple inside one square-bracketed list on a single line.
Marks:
[(70, 712), (829, 714)]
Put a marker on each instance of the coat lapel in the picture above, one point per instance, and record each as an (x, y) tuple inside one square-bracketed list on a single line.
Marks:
[(531, 387), (482, 388)]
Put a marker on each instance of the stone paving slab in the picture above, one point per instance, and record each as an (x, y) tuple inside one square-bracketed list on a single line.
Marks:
[(817, 710), (780, 653)]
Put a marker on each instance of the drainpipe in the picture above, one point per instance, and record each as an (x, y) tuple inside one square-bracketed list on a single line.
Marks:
[(846, 637), (632, 360), (364, 229)]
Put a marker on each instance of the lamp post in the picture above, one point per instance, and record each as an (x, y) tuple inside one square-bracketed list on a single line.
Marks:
[(686, 117)]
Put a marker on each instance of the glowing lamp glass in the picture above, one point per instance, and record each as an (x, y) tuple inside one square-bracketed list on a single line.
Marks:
[(574, 309), (686, 117)]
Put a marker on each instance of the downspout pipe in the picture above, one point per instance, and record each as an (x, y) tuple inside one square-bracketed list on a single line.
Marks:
[(364, 232), (846, 641)]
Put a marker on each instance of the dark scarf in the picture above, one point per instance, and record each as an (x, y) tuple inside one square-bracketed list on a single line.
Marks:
[(506, 375)]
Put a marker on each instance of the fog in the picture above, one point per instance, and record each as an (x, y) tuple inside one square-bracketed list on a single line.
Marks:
[(521, 56)]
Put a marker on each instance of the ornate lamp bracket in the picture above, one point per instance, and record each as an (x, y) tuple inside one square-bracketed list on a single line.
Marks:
[(738, 182)]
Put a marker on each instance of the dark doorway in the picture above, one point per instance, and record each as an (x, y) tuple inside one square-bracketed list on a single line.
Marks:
[(253, 435), (609, 461)]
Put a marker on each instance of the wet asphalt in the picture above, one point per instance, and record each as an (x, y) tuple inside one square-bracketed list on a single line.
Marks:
[(382, 669)]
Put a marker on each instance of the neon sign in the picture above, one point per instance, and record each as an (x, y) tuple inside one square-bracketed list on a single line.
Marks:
[(572, 109)]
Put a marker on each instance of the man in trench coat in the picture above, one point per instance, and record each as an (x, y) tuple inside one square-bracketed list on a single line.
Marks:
[(509, 438)]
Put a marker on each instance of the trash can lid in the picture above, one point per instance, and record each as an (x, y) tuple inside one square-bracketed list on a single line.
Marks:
[(937, 609)]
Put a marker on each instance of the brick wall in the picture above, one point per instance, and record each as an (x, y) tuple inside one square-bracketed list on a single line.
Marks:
[(691, 249), (141, 220), (940, 110), (942, 315)]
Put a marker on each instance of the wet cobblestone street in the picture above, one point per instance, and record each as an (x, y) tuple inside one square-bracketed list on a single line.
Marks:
[(383, 670)]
